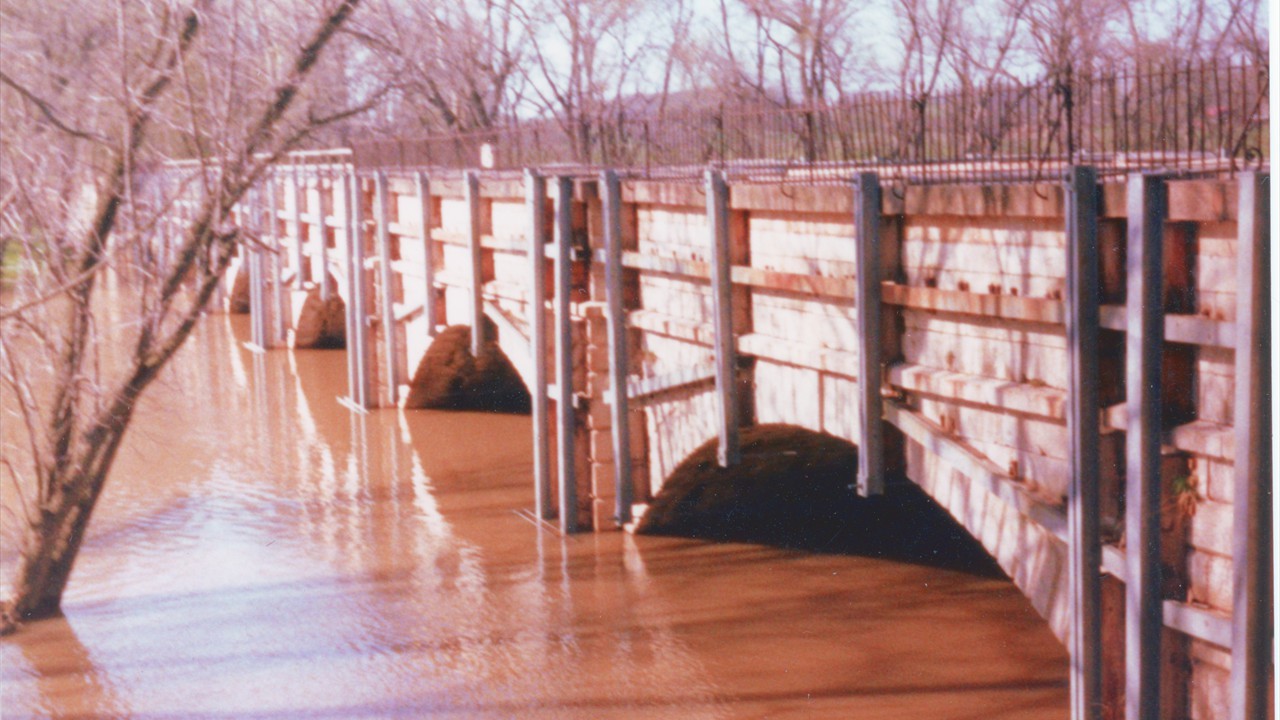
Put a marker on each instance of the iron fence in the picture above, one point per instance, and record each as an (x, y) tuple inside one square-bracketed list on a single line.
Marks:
[(1199, 116)]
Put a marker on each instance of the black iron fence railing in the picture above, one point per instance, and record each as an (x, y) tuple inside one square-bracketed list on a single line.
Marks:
[(1209, 116)]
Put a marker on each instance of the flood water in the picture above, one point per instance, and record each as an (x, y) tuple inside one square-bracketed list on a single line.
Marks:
[(261, 552)]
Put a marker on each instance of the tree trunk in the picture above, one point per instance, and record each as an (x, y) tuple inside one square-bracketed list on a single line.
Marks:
[(46, 566)]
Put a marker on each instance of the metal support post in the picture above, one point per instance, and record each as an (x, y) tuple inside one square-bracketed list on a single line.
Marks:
[(1084, 547)]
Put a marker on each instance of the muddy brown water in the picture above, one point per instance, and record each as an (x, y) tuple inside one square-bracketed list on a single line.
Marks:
[(261, 552)]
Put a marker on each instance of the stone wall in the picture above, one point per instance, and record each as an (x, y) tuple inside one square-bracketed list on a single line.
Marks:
[(974, 345)]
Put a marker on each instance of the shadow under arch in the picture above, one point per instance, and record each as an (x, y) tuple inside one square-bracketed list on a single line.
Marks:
[(321, 323), (794, 488), (449, 377), (238, 287)]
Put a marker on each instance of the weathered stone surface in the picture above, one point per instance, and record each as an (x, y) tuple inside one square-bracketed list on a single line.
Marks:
[(449, 377)]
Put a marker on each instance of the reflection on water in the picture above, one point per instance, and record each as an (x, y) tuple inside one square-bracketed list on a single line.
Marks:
[(262, 552)]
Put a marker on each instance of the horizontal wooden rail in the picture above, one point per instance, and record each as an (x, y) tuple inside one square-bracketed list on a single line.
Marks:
[(1200, 623)]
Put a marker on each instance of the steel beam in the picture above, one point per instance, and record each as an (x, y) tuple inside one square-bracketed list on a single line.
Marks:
[(1147, 210), (387, 298), (1083, 545), (536, 198), (618, 361), (472, 195), (866, 212), (423, 182), (726, 356), (564, 357), (1251, 618)]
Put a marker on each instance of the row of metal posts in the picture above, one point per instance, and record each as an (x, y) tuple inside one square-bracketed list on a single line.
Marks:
[(1146, 211)]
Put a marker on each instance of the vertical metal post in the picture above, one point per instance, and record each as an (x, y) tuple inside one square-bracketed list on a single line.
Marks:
[(301, 273), (428, 261), (386, 277), (348, 235), (618, 362), (866, 218), (327, 203), (279, 330), (1251, 540), (564, 357), (257, 333), (357, 302), (1144, 620), (536, 197), (472, 195), (721, 297), (1084, 547), (258, 301)]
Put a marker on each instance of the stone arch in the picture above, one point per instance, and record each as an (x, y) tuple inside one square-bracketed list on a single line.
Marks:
[(795, 487), (320, 323), (450, 377)]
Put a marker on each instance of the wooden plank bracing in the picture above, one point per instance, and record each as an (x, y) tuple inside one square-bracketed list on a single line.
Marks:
[(1251, 624), (387, 299), (868, 307), (617, 329), (726, 356), (423, 182), (1147, 210), (567, 476), (476, 280), (536, 198), (1083, 424)]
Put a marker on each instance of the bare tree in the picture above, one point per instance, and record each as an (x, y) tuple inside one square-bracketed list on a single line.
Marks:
[(90, 116), (454, 65), (581, 64)]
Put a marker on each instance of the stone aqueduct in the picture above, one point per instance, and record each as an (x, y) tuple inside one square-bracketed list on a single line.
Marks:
[(990, 333)]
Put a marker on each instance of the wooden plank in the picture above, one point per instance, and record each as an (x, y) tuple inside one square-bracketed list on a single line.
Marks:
[(1144, 345), (472, 195), (1005, 307), (726, 356), (536, 197), (645, 388), (617, 329), (1251, 626), (387, 296), (423, 185), (1084, 547), (565, 454), (1202, 624), (866, 220), (976, 467)]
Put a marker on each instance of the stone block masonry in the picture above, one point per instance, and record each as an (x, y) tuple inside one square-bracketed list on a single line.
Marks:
[(972, 342)]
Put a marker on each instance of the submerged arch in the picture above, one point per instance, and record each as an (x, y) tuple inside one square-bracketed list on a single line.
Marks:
[(450, 377), (321, 323), (795, 488)]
